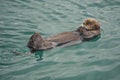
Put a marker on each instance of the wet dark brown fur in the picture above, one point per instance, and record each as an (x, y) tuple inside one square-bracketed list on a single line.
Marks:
[(89, 29)]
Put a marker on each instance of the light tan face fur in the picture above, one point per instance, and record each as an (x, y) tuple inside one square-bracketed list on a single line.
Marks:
[(91, 23)]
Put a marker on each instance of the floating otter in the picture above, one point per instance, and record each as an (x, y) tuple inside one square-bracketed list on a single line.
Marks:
[(88, 30)]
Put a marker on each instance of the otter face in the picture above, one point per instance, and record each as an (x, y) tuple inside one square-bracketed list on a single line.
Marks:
[(91, 23)]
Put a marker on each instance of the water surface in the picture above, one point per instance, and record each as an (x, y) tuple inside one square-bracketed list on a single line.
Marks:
[(93, 60)]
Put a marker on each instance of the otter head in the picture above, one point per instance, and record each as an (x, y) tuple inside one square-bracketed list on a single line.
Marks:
[(89, 28), (91, 24), (34, 42)]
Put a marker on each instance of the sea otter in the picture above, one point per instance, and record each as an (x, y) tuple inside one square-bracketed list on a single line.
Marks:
[(87, 31)]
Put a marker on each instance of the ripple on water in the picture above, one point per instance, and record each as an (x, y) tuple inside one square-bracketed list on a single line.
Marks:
[(98, 59), (111, 43)]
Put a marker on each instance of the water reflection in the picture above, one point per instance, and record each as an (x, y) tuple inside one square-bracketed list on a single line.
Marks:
[(96, 38), (39, 55)]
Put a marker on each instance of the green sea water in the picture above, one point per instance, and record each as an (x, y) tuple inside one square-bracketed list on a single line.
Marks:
[(92, 60)]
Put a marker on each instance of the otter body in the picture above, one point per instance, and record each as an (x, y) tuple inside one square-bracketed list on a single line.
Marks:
[(89, 29)]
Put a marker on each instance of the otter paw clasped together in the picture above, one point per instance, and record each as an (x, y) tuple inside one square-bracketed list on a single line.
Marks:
[(87, 31)]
